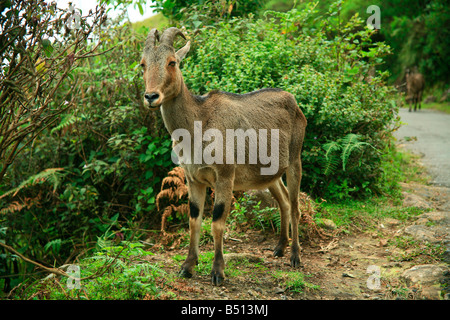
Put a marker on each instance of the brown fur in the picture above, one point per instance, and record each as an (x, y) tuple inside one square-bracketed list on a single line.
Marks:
[(263, 109), (415, 84)]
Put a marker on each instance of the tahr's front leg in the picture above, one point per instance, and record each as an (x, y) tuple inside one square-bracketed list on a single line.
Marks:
[(222, 204), (197, 193)]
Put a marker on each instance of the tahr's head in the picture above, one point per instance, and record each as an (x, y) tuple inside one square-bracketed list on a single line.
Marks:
[(160, 62)]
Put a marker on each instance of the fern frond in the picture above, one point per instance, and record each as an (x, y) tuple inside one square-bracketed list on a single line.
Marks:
[(67, 121), (331, 161), (331, 165), (330, 148), (14, 206), (350, 143), (47, 174)]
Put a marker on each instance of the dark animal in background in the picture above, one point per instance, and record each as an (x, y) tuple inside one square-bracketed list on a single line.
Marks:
[(415, 83)]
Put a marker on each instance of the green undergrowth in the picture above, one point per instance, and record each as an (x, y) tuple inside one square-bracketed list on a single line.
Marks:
[(357, 214), (439, 106), (294, 281), (364, 215), (116, 272)]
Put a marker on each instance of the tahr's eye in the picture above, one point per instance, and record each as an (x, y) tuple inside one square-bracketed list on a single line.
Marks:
[(142, 65), (172, 63)]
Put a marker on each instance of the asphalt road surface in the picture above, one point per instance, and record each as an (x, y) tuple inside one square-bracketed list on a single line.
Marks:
[(427, 132)]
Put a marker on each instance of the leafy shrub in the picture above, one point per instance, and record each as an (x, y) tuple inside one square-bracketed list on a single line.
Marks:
[(112, 155), (118, 272)]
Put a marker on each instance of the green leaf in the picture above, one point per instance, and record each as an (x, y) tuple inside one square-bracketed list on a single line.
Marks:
[(141, 10), (47, 46), (196, 24)]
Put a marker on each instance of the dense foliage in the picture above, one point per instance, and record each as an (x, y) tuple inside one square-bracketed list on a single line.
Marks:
[(175, 10), (417, 33), (415, 30), (95, 173), (34, 64)]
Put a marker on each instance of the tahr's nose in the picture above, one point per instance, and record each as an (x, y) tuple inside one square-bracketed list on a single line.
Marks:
[(151, 97)]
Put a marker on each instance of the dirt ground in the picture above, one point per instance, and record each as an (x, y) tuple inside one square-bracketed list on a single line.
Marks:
[(334, 268), (340, 272)]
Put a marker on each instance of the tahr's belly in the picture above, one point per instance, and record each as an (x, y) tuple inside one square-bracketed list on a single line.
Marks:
[(245, 177)]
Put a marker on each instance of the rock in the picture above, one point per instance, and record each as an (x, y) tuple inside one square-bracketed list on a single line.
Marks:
[(278, 290), (421, 232), (263, 196), (425, 274), (435, 216), (348, 275), (444, 206), (242, 257), (391, 223), (252, 293), (327, 224), (259, 290), (413, 200), (446, 255), (432, 293)]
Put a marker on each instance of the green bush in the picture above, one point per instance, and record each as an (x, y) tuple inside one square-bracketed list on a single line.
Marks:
[(111, 157)]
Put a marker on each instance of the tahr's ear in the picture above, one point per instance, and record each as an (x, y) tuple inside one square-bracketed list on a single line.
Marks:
[(183, 51)]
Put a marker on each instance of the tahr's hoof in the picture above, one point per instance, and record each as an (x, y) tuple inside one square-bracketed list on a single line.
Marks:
[(216, 278), (185, 273), (295, 261), (278, 252)]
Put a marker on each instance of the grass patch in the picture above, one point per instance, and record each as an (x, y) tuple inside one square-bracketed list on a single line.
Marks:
[(418, 251), (401, 165), (157, 21), (234, 267), (439, 106), (360, 215), (294, 281), (355, 214)]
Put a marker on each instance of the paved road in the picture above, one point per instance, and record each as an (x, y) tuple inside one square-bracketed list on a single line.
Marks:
[(432, 130)]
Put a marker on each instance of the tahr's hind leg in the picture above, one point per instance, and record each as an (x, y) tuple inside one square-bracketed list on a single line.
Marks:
[(280, 193), (294, 177), (420, 99)]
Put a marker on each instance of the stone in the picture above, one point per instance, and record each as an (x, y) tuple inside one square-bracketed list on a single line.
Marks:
[(421, 232), (413, 200), (242, 257), (264, 197), (425, 274), (391, 223), (278, 290), (431, 293), (348, 275), (327, 224), (435, 216)]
